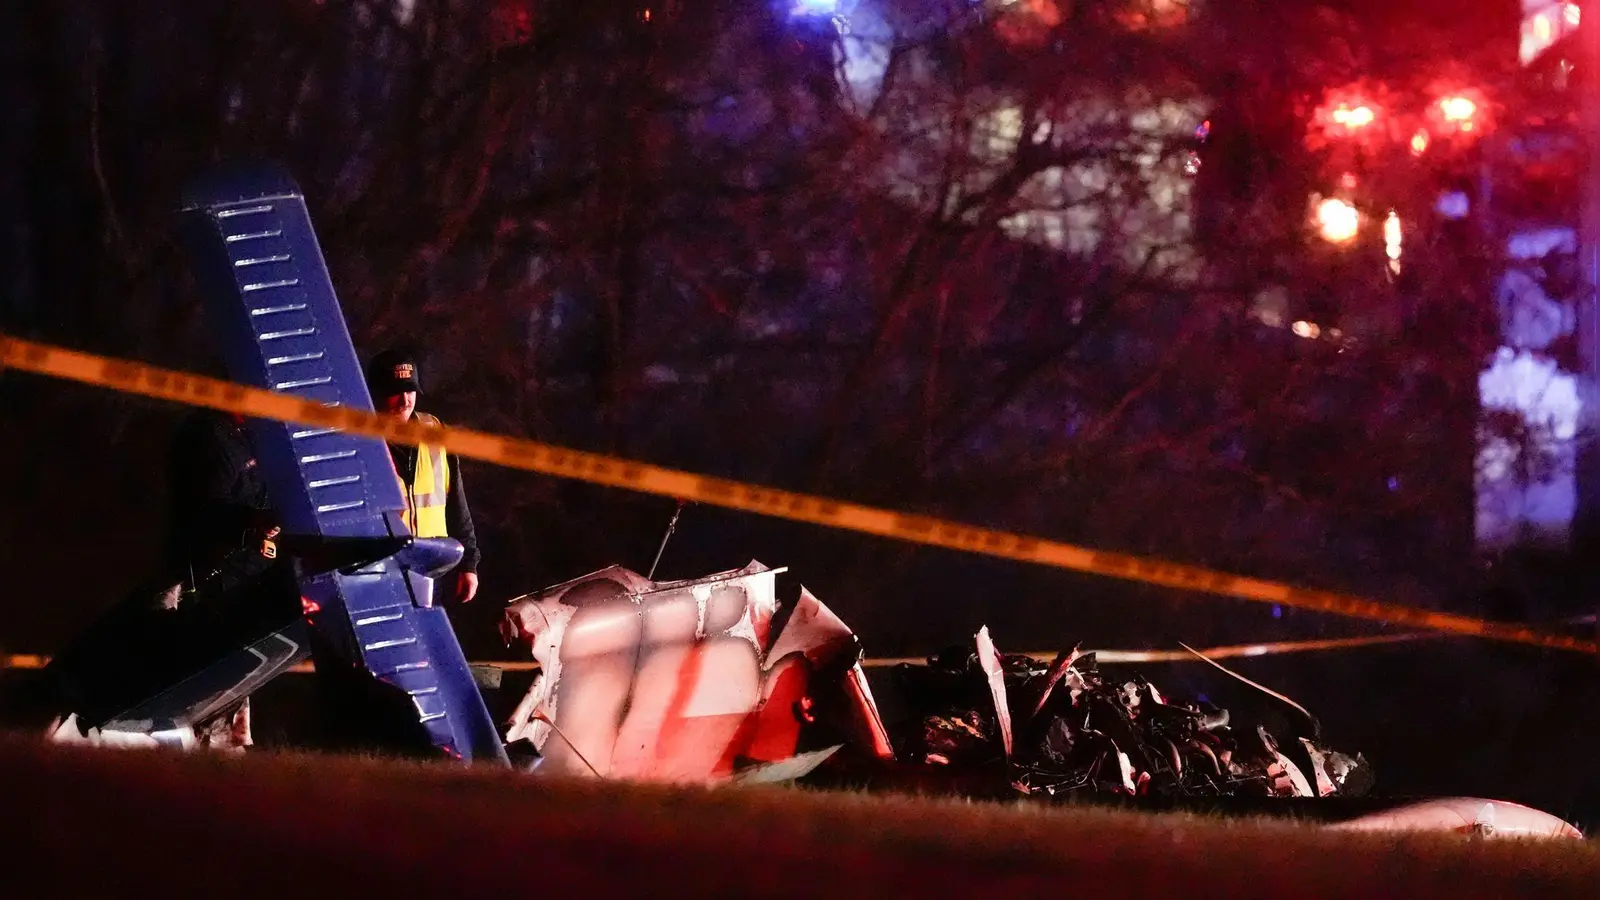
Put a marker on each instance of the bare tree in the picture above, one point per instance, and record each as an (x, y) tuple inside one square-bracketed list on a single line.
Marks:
[(972, 259)]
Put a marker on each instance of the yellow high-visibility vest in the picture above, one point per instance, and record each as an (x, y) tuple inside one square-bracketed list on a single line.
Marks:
[(425, 496)]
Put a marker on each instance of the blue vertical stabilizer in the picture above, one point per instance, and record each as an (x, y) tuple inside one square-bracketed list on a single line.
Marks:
[(267, 290)]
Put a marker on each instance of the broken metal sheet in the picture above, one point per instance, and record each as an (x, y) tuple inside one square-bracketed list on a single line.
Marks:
[(644, 680), (1319, 765), (1292, 782), (742, 601), (1465, 815), (1126, 770), (675, 681), (790, 769), (70, 731), (868, 723), (1059, 668), (989, 660), (813, 642), (688, 702), (785, 708), (813, 632)]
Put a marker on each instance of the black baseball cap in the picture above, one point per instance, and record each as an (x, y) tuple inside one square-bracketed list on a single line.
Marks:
[(393, 372)]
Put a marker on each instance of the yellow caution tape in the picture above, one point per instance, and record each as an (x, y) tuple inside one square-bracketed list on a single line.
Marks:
[(165, 384)]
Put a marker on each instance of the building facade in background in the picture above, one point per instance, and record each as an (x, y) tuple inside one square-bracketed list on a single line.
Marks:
[(1531, 388)]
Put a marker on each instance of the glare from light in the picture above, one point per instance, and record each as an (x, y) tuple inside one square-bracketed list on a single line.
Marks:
[(1458, 109), (1306, 329), (1543, 29), (1419, 142), (1347, 180), (1354, 117), (1391, 241), (1337, 221), (814, 8), (1391, 235)]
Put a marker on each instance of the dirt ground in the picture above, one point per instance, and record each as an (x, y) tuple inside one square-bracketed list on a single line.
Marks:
[(85, 823)]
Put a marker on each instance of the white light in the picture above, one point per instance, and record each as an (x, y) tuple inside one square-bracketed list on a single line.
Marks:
[(1337, 220), (1357, 117), (1306, 329), (814, 8), (1534, 243), (1391, 240), (1545, 22), (1535, 386), (1458, 109), (1543, 29)]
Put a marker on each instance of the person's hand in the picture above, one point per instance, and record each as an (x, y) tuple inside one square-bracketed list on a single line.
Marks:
[(466, 587)]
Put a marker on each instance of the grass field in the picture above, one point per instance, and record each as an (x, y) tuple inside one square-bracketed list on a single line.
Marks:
[(84, 823)]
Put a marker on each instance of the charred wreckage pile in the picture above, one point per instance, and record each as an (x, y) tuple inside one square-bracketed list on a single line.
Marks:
[(1065, 728), (708, 679)]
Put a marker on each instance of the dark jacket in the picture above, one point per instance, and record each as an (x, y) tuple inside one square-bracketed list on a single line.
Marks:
[(218, 502), (457, 515), (217, 517)]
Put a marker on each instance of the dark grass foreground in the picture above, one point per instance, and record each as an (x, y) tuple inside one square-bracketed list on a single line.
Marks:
[(120, 823)]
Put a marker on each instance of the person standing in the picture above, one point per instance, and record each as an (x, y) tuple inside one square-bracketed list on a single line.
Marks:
[(430, 478)]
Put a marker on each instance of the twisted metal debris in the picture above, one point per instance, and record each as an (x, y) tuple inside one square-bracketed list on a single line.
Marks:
[(1065, 728), (709, 680)]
